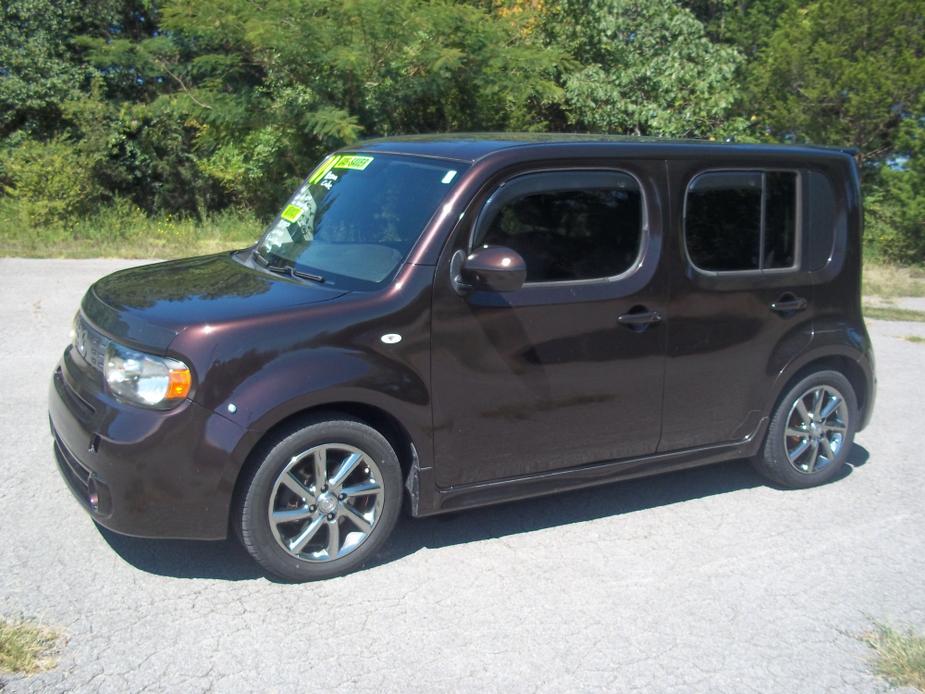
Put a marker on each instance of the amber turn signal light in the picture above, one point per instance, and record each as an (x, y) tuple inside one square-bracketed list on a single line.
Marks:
[(178, 384)]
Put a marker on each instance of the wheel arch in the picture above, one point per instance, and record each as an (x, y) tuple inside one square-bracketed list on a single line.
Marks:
[(375, 417), (842, 363)]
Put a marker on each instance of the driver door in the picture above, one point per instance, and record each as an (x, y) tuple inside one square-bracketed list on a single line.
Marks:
[(568, 369)]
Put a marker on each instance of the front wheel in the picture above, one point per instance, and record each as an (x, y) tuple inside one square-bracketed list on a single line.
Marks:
[(321, 501), (811, 432)]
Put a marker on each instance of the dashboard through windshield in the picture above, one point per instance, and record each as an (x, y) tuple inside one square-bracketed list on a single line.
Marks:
[(356, 217)]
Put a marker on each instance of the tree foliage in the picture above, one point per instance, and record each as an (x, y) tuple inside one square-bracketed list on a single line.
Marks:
[(896, 219), (189, 107), (645, 68), (37, 70), (746, 24), (843, 72)]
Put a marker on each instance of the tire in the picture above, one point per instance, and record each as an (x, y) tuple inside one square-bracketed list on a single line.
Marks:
[(781, 459), (321, 530)]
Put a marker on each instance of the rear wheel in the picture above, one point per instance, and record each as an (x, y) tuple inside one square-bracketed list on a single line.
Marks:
[(811, 431), (321, 500)]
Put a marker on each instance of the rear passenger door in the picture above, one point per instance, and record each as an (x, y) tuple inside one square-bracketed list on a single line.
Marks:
[(741, 304)]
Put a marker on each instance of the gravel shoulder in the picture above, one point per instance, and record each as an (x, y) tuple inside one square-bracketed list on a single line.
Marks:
[(702, 579)]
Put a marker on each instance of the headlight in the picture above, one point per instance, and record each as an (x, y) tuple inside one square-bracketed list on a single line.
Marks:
[(145, 379)]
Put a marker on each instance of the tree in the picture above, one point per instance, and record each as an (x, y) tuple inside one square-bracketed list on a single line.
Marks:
[(186, 106), (193, 106), (745, 24), (37, 72), (645, 67), (896, 206), (842, 72), (274, 87)]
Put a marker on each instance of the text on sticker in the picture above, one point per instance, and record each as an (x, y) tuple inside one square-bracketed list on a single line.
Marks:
[(349, 161)]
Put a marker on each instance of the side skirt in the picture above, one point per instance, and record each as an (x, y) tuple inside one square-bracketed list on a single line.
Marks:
[(431, 500)]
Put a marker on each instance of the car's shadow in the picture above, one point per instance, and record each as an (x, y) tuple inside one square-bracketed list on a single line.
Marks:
[(227, 560)]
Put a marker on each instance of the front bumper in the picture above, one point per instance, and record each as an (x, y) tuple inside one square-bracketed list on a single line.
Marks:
[(143, 472)]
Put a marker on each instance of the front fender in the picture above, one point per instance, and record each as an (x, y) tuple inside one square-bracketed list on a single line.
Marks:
[(259, 372), (327, 376)]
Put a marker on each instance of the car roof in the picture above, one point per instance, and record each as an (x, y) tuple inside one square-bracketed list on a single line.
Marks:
[(471, 147)]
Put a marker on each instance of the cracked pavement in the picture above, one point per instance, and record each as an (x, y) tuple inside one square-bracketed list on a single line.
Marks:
[(705, 579)]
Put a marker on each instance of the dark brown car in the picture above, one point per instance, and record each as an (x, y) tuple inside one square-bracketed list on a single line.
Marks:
[(464, 320)]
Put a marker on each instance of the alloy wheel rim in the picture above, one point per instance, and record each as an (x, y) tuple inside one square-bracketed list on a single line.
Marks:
[(816, 428), (326, 502)]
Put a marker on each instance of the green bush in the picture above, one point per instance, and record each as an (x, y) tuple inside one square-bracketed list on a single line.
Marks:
[(895, 223), (52, 182)]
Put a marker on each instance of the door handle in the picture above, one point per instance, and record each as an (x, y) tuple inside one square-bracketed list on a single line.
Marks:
[(639, 318), (789, 303)]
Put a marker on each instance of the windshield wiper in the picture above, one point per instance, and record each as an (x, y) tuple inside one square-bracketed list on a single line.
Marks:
[(286, 269), (260, 257), (292, 272)]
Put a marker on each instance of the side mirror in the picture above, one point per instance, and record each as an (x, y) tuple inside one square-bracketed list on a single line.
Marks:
[(492, 268)]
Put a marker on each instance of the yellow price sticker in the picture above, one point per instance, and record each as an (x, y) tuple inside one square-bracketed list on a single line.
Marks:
[(353, 161), (291, 213)]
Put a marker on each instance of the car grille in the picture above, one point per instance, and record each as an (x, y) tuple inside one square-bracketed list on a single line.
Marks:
[(90, 344)]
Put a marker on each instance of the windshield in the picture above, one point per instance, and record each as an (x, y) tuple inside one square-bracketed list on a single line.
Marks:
[(356, 217)]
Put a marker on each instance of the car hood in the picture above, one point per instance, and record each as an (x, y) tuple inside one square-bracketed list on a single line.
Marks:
[(150, 305)]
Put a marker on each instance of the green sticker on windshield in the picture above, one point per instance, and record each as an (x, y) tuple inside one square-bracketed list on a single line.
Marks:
[(320, 172), (351, 161), (291, 213)]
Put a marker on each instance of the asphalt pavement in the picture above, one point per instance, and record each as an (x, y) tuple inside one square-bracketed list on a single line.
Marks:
[(702, 580)]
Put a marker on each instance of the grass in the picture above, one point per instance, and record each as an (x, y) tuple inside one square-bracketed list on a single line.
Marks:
[(893, 313), (890, 281), (26, 647), (915, 338), (899, 657), (123, 231)]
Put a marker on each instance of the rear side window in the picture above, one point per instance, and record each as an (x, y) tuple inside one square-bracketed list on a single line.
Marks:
[(742, 220), (572, 234)]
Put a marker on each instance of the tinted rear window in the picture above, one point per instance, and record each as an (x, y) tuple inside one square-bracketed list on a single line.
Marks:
[(780, 226), (742, 220)]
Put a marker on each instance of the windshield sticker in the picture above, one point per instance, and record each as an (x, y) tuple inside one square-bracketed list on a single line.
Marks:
[(349, 161), (291, 213), (450, 175), (322, 169)]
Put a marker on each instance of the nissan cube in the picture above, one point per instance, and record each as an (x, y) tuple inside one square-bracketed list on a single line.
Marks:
[(446, 322)]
